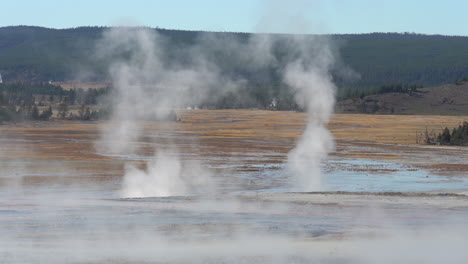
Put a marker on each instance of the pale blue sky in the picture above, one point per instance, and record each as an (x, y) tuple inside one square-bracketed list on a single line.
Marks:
[(292, 16)]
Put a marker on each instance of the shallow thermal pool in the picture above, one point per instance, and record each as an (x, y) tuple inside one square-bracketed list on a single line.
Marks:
[(350, 175), (258, 172), (252, 218), (364, 175)]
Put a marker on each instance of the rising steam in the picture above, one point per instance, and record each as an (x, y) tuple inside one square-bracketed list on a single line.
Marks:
[(151, 79), (148, 86), (315, 92), (167, 176)]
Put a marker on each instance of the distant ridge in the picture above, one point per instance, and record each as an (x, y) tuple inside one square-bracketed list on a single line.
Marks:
[(41, 54)]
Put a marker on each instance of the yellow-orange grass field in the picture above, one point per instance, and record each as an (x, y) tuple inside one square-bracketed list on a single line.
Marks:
[(55, 143), (75, 140), (398, 129)]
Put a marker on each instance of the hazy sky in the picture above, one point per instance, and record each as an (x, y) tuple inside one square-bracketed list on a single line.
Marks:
[(292, 16)]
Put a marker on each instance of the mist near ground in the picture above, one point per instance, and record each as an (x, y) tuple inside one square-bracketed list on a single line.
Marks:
[(147, 88), (169, 207)]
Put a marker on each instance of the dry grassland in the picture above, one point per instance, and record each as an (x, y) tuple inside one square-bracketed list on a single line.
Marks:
[(394, 129), (74, 140), (227, 132)]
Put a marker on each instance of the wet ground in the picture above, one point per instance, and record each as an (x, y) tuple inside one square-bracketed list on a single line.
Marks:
[(61, 201)]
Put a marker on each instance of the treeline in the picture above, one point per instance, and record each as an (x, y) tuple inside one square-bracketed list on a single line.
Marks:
[(21, 101), (275, 98), (43, 101), (11, 112), (17, 101), (25, 93), (24, 101), (84, 113), (89, 96), (43, 88), (458, 136)]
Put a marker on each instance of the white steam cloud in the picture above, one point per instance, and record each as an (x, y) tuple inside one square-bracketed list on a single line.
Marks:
[(167, 176), (315, 92), (152, 77), (149, 86), (308, 73)]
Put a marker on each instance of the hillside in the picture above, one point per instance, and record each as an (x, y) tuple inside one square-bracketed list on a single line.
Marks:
[(451, 99), (43, 54)]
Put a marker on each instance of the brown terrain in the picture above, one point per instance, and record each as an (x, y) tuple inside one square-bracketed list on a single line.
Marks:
[(451, 99), (212, 135)]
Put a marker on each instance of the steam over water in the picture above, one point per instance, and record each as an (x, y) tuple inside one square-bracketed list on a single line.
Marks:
[(316, 93), (185, 202), (149, 87)]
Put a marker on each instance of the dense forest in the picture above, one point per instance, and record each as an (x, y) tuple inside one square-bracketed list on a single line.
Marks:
[(31, 57), (25, 100), (34, 101), (41, 54)]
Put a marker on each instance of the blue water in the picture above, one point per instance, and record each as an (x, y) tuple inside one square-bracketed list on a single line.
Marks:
[(356, 175), (379, 176)]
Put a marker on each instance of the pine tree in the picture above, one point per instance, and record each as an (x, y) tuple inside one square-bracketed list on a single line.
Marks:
[(87, 114), (35, 113), (63, 109), (46, 114), (444, 138)]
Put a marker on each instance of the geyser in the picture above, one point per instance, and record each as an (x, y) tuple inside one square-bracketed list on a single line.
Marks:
[(315, 92), (149, 84)]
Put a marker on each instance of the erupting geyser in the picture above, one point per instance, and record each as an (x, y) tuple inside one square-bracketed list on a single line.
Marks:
[(149, 85), (315, 92)]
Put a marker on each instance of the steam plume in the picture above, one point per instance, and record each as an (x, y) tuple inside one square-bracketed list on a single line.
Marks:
[(307, 71), (149, 86), (310, 77), (151, 79)]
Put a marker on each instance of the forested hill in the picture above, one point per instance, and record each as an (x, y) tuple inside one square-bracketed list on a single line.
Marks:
[(42, 54)]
